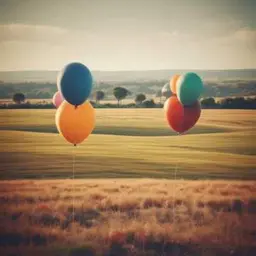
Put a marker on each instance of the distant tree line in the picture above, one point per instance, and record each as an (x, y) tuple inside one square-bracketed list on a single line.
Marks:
[(140, 101), (35, 90), (230, 103)]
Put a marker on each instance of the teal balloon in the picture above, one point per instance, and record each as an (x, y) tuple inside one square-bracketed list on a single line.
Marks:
[(189, 88)]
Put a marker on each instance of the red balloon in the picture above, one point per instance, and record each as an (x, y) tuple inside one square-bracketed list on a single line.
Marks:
[(181, 118)]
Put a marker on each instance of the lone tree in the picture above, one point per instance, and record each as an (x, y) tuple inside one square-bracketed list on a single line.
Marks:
[(18, 98), (99, 95), (120, 93), (140, 98)]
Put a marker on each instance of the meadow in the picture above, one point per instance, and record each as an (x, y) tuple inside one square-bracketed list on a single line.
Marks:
[(131, 143), (138, 188)]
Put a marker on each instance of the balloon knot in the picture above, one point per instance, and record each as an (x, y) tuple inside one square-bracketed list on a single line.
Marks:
[(76, 106), (74, 145)]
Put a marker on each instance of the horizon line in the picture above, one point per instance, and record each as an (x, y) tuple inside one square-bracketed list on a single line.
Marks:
[(129, 70)]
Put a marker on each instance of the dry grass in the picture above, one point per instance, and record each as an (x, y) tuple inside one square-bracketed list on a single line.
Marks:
[(126, 216), (154, 217)]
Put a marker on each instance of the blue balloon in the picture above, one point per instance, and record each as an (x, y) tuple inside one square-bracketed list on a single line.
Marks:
[(75, 83)]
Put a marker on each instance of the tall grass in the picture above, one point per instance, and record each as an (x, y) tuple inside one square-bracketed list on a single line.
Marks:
[(142, 215)]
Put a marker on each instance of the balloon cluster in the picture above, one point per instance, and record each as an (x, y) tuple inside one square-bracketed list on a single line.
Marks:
[(183, 109), (75, 116)]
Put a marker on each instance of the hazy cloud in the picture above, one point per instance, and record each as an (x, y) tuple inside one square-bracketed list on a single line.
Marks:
[(127, 34), (38, 33), (52, 47), (247, 36)]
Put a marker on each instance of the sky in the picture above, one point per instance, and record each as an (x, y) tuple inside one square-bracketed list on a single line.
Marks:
[(127, 34)]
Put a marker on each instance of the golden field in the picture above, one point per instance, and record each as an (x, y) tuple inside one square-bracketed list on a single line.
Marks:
[(131, 143), (139, 189), (128, 217)]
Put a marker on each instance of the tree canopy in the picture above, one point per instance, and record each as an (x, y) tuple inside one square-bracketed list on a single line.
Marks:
[(120, 93), (18, 98), (99, 95), (140, 98)]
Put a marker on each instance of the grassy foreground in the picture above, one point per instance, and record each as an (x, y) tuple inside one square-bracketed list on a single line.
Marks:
[(128, 217), (159, 210)]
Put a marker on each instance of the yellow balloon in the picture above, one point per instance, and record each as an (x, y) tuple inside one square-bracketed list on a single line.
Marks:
[(75, 124)]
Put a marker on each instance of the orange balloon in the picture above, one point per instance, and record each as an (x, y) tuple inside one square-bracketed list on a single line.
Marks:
[(179, 117), (173, 83), (75, 124)]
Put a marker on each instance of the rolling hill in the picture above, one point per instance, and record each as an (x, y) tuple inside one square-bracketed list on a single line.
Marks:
[(121, 76)]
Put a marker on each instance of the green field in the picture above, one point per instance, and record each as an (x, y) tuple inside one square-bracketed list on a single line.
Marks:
[(129, 143), (55, 215)]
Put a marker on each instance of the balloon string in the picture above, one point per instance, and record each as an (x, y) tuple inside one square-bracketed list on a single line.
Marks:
[(74, 159), (174, 185)]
